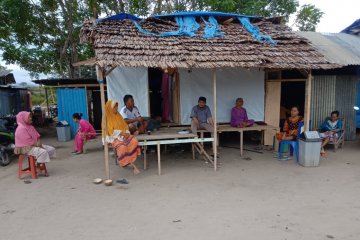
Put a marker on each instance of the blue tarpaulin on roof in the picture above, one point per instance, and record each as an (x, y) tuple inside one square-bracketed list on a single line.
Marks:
[(121, 16), (188, 25), (353, 28)]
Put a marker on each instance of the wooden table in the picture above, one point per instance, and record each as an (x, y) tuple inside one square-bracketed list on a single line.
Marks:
[(171, 136), (255, 127)]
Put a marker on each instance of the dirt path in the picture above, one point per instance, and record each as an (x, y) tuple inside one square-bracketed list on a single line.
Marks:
[(260, 198)]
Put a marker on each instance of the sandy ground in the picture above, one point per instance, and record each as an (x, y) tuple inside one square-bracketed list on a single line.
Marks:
[(257, 198)]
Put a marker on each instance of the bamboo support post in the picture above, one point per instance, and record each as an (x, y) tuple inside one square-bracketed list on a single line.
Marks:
[(307, 110), (159, 159), (47, 102), (100, 78), (215, 121)]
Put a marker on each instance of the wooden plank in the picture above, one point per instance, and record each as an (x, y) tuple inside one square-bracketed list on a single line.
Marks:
[(87, 62), (252, 128), (307, 102), (272, 108), (175, 141), (110, 70), (165, 136)]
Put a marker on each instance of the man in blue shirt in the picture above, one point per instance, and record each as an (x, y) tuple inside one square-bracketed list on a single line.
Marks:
[(201, 117)]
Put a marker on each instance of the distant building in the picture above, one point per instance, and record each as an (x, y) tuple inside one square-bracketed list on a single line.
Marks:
[(6, 77), (337, 89)]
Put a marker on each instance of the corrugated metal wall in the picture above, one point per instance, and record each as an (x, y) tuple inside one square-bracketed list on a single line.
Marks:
[(13, 100), (334, 92), (71, 100), (323, 102), (5, 102), (346, 99)]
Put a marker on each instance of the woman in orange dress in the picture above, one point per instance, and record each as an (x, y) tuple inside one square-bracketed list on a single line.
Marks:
[(118, 135), (291, 126)]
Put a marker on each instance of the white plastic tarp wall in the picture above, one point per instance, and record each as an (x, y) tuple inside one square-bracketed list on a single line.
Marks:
[(231, 84), (128, 80)]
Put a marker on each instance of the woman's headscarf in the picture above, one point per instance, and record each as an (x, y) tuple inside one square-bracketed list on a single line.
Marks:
[(114, 121), (25, 134)]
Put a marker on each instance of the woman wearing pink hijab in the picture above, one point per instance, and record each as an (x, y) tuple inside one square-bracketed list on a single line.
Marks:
[(27, 140)]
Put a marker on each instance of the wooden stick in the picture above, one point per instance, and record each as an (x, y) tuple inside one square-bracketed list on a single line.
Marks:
[(215, 121), (203, 152), (145, 160), (110, 70), (241, 143), (100, 77), (307, 109), (193, 150), (159, 160)]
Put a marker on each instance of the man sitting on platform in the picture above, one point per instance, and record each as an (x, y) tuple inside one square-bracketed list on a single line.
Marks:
[(239, 116), (132, 116), (201, 117)]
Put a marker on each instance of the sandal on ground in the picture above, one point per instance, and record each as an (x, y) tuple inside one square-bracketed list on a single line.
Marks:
[(122, 181)]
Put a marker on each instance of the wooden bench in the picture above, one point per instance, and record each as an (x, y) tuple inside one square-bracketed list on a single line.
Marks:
[(172, 137), (227, 128)]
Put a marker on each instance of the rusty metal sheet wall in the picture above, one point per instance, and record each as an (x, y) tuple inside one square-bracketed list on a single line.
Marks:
[(323, 89), (346, 99)]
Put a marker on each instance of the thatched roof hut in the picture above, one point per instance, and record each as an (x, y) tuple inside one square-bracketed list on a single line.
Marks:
[(198, 40), (118, 42)]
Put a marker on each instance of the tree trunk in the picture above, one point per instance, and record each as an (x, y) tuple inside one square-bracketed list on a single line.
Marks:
[(158, 6)]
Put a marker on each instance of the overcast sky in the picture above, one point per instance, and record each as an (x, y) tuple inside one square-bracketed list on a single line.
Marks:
[(338, 14)]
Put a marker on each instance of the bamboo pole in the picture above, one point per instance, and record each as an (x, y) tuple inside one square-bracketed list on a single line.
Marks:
[(100, 78), (307, 110), (215, 121), (47, 102)]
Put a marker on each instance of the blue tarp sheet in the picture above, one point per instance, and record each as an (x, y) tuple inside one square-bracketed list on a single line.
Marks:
[(70, 101), (353, 28), (121, 16), (188, 25)]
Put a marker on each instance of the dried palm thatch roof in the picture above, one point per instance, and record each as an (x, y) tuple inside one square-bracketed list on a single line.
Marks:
[(120, 43)]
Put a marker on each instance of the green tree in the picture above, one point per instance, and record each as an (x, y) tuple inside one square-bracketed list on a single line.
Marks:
[(43, 36), (308, 17)]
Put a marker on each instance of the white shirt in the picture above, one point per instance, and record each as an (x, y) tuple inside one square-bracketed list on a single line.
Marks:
[(127, 114)]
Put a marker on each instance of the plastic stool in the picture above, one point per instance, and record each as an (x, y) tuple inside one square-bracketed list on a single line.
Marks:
[(32, 167)]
